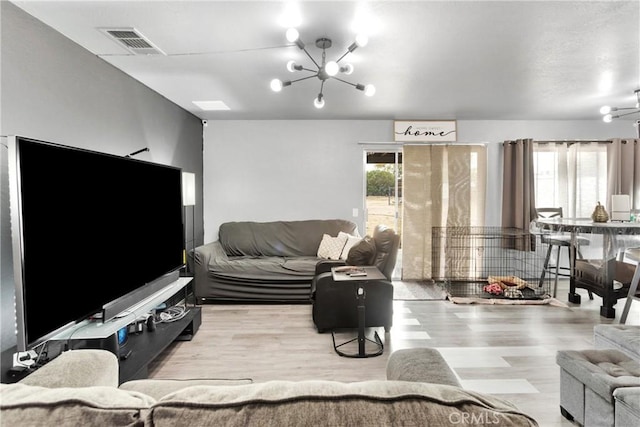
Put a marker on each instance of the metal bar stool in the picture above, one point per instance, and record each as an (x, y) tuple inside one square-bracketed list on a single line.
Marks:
[(559, 241), (634, 255)]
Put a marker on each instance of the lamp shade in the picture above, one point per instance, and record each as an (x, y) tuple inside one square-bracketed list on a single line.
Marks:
[(188, 189)]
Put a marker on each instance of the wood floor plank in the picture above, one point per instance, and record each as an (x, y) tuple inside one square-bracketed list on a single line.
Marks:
[(268, 342)]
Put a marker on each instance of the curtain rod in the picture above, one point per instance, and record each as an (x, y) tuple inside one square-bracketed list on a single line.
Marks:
[(579, 141), (401, 143)]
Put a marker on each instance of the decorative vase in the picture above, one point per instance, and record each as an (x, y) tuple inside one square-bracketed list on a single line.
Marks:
[(600, 214)]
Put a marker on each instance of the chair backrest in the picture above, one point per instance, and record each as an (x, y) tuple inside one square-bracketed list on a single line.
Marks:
[(549, 212), (387, 243)]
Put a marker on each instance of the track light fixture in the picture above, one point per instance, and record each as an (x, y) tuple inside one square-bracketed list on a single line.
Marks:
[(607, 111), (325, 70)]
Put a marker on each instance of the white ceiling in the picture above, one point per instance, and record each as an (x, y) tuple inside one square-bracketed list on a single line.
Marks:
[(502, 60)]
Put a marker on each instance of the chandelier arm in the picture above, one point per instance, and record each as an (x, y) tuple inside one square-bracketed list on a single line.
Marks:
[(303, 78), (637, 110), (322, 86), (309, 69), (623, 108), (344, 81), (345, 54), (311, 58)]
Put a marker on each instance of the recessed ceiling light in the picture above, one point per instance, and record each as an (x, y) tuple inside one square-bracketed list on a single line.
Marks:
[(212, 105)]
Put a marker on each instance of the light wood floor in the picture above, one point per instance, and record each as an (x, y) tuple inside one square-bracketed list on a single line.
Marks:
[(507, 350)]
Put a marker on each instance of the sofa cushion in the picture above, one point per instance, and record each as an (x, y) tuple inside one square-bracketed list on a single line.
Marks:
[(423, 364), (600, 370), (162, 387), (279, 238), (26, 405), (331, 247), (625, 338), (363, 252), (627, 406), (77, 368), (332, 403)]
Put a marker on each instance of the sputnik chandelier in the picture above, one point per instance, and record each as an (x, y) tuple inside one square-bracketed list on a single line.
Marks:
[(607, 110), (324, 70)]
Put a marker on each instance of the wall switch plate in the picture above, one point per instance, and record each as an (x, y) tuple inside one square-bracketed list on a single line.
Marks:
[(355, 212)]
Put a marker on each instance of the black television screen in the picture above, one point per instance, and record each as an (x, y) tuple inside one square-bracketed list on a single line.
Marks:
[(90, 228)]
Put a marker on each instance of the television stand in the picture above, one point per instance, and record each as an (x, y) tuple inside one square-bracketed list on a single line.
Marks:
[(143, 344), (141, 348)]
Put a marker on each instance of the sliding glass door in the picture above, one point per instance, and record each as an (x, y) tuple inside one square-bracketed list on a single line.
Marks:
[(383, 183)]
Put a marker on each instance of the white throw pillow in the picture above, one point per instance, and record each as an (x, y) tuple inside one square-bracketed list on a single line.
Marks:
[(351, 242), (331, 247)]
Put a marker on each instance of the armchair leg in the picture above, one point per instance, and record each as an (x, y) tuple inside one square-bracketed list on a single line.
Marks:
[(607, 311), (574, 298)]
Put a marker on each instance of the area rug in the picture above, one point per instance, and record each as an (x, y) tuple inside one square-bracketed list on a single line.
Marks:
[(407, 290), (506, 301)]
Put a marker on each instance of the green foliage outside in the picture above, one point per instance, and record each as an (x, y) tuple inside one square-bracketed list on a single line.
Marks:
[(379, 181)]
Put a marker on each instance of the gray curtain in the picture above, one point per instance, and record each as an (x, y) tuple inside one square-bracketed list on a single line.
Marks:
[(518, 191), (623, 170)]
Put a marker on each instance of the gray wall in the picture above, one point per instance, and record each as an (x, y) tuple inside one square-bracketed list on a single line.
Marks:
[(299, 169), (285, 170), (54, 90)]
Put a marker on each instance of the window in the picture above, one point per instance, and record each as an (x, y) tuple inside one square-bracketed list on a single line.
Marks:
[(570, 175)]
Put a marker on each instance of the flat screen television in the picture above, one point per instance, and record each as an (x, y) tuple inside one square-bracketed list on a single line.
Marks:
[(88, 229)]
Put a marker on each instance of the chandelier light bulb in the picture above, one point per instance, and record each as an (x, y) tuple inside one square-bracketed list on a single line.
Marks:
[(362, 40), (369, 90), (332, 68), (318, 102), (347, 69), (605, 109), (292, 35), (607, 118), (276, 85), (291, 65)]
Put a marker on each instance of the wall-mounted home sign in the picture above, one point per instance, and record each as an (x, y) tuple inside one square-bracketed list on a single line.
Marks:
[(424, 131)]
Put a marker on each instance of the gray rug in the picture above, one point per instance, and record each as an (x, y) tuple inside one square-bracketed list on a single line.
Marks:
[(407, 290), (507, 301)]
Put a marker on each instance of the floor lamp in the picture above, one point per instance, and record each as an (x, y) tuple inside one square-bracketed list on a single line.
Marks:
[(189, 199)]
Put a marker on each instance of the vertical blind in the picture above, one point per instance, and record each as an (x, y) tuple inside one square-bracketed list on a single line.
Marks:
[(444, 186)]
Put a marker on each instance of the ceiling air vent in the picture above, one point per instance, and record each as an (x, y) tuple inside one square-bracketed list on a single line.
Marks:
[(132, 40)]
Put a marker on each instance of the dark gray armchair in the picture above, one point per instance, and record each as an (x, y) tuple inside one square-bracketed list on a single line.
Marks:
[(335, 304)]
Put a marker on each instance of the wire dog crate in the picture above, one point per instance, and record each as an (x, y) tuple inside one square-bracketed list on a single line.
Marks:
[(466, 259)]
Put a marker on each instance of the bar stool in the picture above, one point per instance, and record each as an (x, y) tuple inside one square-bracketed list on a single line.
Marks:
[(634, 255), (559, 241)]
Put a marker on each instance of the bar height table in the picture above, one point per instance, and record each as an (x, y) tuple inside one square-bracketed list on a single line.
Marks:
[(613, 247)]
